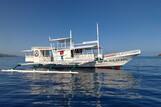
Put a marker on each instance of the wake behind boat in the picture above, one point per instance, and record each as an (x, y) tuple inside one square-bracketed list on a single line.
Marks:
[(40, 71), (65, 53)]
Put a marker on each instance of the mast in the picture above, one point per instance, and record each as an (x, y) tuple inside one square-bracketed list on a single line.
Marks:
[(70, 39), (52, 51), (50, 42), (98, 45)]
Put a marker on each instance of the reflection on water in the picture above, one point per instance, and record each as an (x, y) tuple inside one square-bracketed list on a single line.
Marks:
[(138, 85), (95, 83)]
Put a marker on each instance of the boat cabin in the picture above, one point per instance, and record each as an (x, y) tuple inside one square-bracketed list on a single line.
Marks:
[(64, 49), (38, 54)]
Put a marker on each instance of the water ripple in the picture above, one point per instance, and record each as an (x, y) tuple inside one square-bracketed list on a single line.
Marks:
[(137, 85)]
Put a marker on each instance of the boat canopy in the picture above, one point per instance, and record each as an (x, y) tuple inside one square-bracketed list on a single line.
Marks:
[(61, 40), (42, 48), (90, 42), (26, 50), (85, 47)]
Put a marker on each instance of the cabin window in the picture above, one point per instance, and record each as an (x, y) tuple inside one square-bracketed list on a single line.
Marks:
[(46, 53), (78, 51)]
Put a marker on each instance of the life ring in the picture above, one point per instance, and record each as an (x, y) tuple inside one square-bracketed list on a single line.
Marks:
[(36, 53)]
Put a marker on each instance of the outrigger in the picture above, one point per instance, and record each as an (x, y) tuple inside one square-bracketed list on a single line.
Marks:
[(65, 53)]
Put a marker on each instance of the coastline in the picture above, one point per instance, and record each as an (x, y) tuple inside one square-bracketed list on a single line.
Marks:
[(7, 55)]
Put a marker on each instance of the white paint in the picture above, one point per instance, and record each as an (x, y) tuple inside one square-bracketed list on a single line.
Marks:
[(35, 71)]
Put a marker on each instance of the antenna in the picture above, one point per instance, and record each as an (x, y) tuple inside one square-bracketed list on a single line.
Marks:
[(98, 41)]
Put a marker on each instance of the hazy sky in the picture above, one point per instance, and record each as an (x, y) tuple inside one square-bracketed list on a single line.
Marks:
[(124, 24)]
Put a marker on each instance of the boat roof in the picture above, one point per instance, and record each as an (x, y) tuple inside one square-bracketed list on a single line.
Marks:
[(26, 50), (39, 48), (85, 46), (42, 48), (59, 39)]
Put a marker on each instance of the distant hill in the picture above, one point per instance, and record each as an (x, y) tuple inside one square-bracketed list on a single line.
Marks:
[(6, 55), (159, 55)]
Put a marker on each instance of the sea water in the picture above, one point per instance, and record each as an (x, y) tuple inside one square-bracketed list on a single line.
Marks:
[(138, 84)]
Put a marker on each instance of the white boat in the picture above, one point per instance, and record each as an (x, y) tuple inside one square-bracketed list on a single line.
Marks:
[(65, 53)]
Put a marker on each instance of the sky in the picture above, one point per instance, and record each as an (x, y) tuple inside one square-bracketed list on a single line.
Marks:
[(123, 24)]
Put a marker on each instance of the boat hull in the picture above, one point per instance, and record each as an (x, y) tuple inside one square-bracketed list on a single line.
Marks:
[(109, 61)]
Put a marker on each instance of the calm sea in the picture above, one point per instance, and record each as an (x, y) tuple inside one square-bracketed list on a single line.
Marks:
[(138, 84)]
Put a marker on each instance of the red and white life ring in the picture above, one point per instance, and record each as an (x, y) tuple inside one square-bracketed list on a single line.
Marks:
[(36, 53)]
